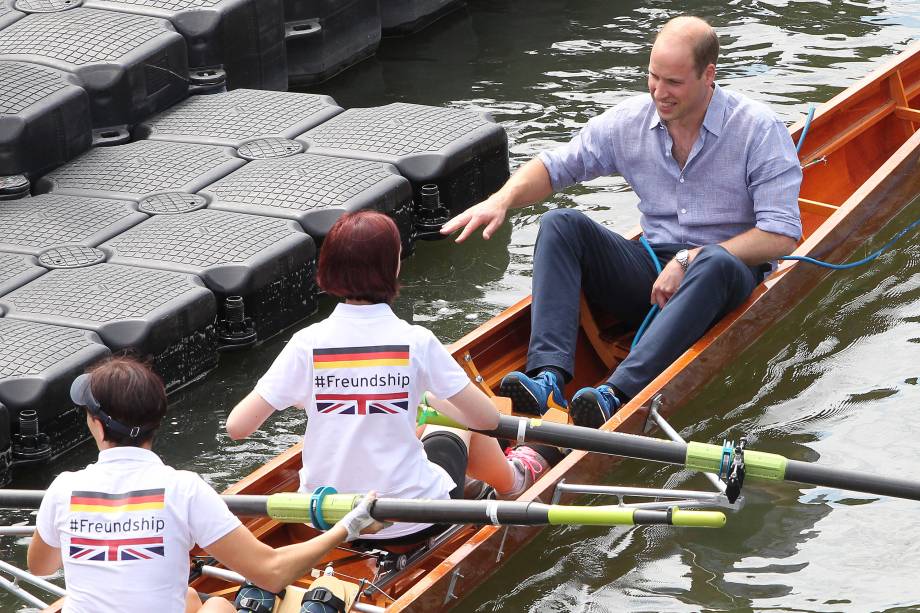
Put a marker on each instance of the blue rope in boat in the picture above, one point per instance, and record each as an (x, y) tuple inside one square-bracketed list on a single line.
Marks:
[(798, 258), (654, 310), (811, 114), (865, 260)]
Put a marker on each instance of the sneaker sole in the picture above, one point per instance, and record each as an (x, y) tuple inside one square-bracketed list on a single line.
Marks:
[(522, 400), (587, 412)]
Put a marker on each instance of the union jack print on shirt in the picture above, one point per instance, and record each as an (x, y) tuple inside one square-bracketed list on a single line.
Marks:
[(111, 550), (362, 404)]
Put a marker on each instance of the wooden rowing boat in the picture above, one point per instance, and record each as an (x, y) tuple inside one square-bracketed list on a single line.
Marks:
[(861, 160)]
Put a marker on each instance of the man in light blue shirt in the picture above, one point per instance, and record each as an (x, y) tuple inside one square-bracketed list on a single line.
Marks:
[(718, 179)]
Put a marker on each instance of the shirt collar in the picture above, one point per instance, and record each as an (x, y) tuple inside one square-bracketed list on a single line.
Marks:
[(362, 311), (115, 454), (712, 121)]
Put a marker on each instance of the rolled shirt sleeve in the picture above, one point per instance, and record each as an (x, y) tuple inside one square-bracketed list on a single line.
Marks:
[(774, 179), (590, 154)]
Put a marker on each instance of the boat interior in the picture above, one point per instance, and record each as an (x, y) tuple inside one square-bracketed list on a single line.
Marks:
[(848, 144)]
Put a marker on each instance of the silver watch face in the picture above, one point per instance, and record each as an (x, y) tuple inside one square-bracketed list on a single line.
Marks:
[(683, 258)]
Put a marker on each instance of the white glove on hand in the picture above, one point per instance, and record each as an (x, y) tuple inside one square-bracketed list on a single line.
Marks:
[(358, 518)]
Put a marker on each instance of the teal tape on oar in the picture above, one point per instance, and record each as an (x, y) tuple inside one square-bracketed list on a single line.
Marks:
[(316, 506)]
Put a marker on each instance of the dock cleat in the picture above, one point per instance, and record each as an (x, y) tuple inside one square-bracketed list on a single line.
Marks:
[(533, 395), (593, 406)]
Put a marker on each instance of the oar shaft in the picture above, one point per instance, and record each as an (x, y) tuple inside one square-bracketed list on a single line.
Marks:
[(21, 499), (804, 472), (698, 456), (574, 437), (295, 508)]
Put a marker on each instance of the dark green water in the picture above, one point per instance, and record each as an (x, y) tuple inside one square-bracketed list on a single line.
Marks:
[(836, 380)]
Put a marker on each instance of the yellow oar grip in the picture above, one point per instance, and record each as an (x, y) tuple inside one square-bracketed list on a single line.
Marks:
[(295, 507)]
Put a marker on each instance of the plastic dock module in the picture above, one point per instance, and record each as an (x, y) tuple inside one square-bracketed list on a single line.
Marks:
[(6, 450), (16, 270), (139, 169), (464, 152), (162, 314), (38, 362), (268, 262), (407, 16), (235, 117), (44, 119), (245, 38), (315, 190), (324, 37), (130, 65), (31, 225), (8, 13)]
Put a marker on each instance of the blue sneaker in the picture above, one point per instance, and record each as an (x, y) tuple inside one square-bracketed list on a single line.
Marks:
[(592, 406), (533, 395)]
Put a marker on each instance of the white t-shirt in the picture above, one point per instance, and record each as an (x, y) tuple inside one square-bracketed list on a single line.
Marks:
[(125, 526), (360, 374)]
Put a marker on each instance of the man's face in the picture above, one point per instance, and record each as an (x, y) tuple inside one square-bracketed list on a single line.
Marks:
[(676, 87)]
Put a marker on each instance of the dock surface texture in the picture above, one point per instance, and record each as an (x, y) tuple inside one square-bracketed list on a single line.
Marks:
[(160, 194)]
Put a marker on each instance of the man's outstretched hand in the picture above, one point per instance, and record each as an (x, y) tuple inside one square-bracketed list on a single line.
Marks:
[(489, 213)]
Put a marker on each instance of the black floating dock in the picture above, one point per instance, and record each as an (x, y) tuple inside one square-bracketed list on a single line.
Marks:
[(235, 117), (243, 38), (401, 17), (324, 37), (163, 314), (268, 262), (38, 362), (315, 190), (135, 216), (40, 105), (17, 270), (8, 13), (140, 169), (130, 65), (31, 225), (463, 152)]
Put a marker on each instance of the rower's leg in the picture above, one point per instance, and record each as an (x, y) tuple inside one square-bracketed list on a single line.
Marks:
[(715, 283), (488, 463), (574, 253), (214, 605), (449, 449)]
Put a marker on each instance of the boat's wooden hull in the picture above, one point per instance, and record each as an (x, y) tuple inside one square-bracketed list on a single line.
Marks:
[(867, 169)]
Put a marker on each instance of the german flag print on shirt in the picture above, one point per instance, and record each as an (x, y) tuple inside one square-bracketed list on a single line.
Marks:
[(100, 502), (358, 357)]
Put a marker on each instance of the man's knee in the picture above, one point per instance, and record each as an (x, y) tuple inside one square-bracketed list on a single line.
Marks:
[(561, 223), (717, 261)]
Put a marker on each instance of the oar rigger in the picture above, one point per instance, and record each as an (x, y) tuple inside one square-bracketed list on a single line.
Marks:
[(731, 470)]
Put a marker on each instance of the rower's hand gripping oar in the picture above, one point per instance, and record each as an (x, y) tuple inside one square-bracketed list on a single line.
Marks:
[(325, 507), (697, 456)]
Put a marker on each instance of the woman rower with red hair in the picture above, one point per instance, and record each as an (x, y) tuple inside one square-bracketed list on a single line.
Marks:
[(360, 375)]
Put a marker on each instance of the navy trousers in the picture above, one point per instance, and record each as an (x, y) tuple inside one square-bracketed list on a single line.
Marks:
[(574, 254)]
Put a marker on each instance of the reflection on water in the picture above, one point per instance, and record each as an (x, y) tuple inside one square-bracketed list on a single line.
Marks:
[(836, 380)]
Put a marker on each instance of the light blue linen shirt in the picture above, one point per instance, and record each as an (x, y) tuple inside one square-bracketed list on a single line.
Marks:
[(742, 172)]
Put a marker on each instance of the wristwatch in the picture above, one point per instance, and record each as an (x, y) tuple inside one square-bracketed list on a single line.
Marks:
[(683, 258)]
